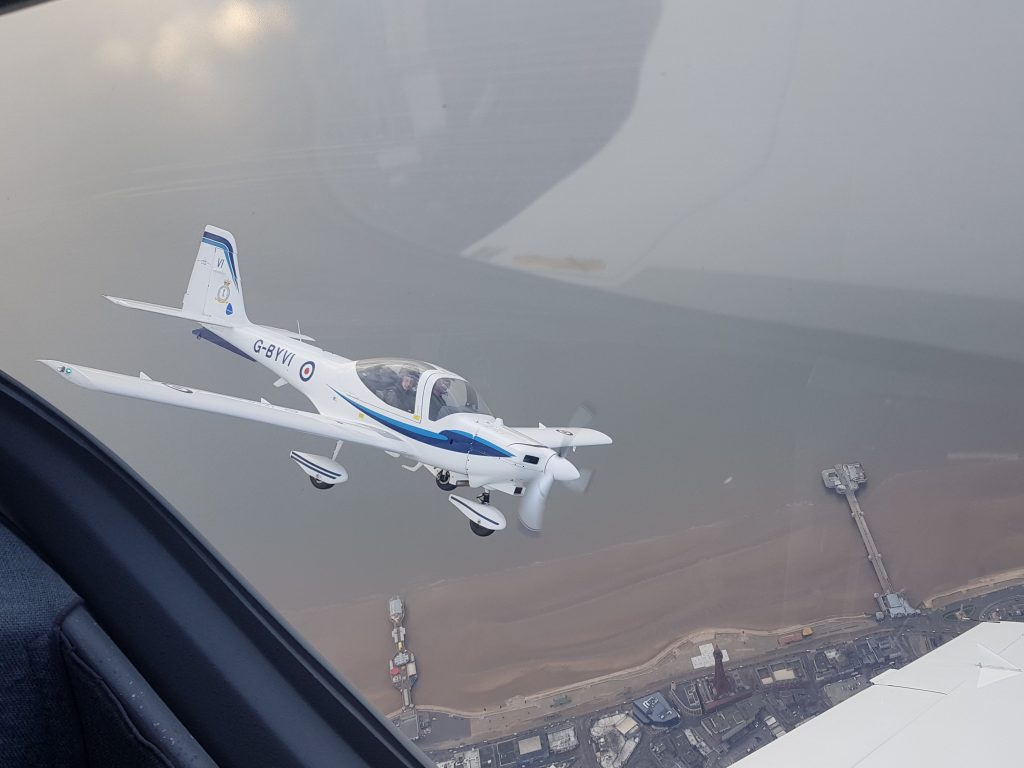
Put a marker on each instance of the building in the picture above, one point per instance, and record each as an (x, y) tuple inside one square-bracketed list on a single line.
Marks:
[(627, 726), (563, 740), (655, 710)]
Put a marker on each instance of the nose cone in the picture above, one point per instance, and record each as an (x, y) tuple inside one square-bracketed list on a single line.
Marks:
[(562, 469)]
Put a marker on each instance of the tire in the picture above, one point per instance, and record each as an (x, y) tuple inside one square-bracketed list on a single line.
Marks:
[(320, 484), (444, 484), (479, 530)]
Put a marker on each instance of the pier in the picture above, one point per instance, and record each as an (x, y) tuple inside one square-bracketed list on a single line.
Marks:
[(846, 479), (403, 670)]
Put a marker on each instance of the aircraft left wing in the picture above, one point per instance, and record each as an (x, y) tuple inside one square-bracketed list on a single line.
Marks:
[(564, 437), (145, 388)]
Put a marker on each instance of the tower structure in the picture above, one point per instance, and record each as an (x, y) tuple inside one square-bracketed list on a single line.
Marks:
[(723, 686)]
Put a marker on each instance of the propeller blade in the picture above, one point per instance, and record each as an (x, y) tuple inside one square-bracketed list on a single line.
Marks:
[(582, 416), (531, 508), (581, 483)]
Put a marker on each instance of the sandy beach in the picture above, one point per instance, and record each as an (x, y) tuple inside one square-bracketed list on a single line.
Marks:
[(480, 641)]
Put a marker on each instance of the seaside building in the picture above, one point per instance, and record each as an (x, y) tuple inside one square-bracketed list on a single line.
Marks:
[(562, 740), (685, 696), (655, 710), (614, 737)]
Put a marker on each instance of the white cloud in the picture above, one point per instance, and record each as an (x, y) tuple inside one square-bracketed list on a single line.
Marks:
[(185, 46), (118, 55)]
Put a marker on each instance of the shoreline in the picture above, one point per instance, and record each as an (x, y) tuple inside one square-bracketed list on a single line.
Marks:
[(975, 588), (529, 711), (611, 616), (694, 638)]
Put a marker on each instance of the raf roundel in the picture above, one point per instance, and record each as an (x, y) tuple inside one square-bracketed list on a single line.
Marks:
[(306, 371)]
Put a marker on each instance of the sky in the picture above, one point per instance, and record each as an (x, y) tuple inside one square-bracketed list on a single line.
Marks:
[(756, 238)]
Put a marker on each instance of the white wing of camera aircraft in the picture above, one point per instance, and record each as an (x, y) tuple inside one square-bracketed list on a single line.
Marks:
[(403, 407)]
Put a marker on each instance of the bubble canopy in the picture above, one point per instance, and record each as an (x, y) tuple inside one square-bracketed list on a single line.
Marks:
[(397, 382)]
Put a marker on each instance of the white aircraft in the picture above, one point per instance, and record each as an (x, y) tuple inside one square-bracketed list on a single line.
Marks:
[(404, 407)]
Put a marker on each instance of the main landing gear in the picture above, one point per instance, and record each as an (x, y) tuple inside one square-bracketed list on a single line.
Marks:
[(443, 478), (479, 530), (320, 484), (483, 518)]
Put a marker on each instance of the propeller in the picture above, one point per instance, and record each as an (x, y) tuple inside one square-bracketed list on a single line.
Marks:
[(581, 417), (531, 508)]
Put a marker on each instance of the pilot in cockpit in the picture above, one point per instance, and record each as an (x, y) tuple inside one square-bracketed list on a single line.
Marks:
[(403, 393), (439, 399)]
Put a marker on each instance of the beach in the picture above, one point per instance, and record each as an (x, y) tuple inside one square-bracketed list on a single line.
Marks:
[(483, 640)]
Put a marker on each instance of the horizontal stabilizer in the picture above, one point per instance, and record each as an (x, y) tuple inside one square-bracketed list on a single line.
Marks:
[(195, 317), (212, 402), (159, 309), (285, 332)]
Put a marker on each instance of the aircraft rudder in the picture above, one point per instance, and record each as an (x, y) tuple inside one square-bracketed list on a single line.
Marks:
[(215, 288)]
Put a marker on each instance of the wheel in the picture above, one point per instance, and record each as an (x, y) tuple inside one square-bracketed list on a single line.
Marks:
[(319, 483), (479, 530), (443, 480)]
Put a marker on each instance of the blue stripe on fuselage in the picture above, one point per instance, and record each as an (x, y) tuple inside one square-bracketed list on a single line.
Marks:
[(225, 245), (479, 442), (449, 440)]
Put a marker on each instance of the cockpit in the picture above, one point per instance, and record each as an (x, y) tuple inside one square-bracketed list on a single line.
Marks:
[(417, 387), (450, 395)]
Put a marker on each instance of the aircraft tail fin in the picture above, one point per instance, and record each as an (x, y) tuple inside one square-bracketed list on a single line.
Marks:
[(214, 291)]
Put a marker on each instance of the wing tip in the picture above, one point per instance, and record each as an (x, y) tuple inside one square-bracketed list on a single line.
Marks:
[(66, 371)]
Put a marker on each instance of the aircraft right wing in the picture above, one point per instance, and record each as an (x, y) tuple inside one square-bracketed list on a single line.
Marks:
[(145, 388), (564, 437)]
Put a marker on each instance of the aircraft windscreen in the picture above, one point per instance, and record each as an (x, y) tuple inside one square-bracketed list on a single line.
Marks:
[(448, 396)]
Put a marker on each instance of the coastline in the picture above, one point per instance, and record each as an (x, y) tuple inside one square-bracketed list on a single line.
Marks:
[(681, 648), (496, 639), (975, 588)]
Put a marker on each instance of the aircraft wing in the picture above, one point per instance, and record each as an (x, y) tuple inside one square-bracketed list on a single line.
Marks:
[(564, 437), (957, 705), (145, 388)]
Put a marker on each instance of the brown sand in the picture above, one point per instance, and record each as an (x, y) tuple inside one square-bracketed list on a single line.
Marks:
[(483, 640)]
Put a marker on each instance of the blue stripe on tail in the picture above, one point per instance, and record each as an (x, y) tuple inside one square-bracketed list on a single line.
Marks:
[(225, 245)]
